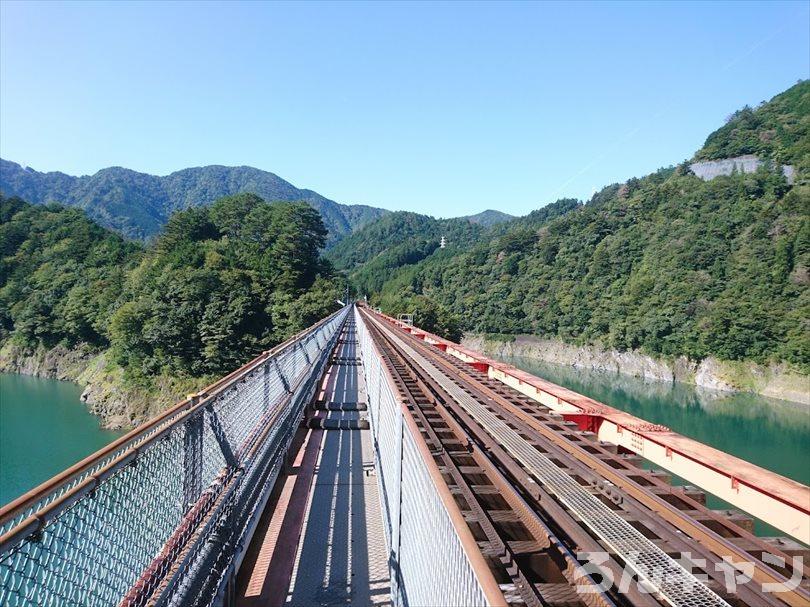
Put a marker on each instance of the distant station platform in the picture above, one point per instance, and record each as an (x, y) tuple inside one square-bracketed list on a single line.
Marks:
[(321, 539)]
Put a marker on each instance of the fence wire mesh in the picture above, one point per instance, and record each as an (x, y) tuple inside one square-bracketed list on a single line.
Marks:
[(428, 563), (163, 516)]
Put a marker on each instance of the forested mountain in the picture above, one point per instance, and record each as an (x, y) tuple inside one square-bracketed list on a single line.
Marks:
[(667, 264), (218, 286), (396, 240), (60, 274), (778, 131), (402, 238), (138, 205)]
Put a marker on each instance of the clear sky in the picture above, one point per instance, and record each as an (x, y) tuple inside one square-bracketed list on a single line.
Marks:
[(445, 109)]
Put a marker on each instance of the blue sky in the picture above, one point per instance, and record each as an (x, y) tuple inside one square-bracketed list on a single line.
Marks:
[(445, 109)]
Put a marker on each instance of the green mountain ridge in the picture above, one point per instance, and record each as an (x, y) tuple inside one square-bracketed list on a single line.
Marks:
[(490, 217), (138, 205), (777, 130), (667, 264)]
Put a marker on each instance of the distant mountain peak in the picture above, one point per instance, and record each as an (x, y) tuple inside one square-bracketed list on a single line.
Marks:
[(139, 204), (489, 217)]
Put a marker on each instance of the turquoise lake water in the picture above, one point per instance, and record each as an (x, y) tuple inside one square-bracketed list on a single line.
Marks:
[(44, 428), (771, 433)]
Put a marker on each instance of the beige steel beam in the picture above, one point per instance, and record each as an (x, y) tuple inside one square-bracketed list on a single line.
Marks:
[(779, 501)]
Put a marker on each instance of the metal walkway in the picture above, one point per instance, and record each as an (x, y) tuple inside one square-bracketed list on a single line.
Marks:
[(322, 542)]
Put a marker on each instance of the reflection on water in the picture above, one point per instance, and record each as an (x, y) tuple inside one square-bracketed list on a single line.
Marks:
[(771, 433)]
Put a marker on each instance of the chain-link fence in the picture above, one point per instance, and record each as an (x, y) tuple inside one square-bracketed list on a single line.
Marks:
[(163, 515), (429, 563)]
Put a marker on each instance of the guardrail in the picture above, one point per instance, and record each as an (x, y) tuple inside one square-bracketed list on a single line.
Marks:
[(433, 558), (773, 498), (162, 515)]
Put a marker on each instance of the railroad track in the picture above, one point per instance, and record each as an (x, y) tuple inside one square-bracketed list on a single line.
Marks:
[(541, 496)]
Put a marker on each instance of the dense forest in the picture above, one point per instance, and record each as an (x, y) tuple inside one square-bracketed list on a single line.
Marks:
[(667, 264), (777, 130), (220, 284)]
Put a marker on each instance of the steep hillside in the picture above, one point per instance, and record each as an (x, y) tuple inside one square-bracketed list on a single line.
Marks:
[(61, 275), (399, 239), (396, 240), (218, 286), (778, 130), (138, 205), (667, 264)]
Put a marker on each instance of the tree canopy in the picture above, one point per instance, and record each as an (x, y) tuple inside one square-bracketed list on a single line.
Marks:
[(668, 264), (221, 284)]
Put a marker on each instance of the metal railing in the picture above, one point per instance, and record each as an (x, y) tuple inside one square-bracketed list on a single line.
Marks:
[(431, 550), (162, 515), (647, 560)]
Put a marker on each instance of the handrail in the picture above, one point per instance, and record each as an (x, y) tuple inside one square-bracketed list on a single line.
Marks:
[(135, 516), (180, 410)]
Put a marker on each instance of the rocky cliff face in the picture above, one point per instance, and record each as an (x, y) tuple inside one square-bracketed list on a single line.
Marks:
[(58, 363), (775, 381), (748, 163)]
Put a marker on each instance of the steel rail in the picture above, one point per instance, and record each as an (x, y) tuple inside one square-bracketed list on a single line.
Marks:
[(743, 481), (763, 573), (627, 469), (527, 591), (720, 546), (482, 572), (525, 408), (678, 586), (631, 509), (536, 526)]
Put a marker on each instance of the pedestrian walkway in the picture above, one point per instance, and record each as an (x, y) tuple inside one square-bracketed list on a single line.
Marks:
[(321, 542)]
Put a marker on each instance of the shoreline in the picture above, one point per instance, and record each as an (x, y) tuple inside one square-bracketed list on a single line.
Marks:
[(772, 381), (104, 393), (121, 407)]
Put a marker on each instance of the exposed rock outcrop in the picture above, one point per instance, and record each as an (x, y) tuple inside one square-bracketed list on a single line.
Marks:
[(775, 381), (748, 163), (106, 394)]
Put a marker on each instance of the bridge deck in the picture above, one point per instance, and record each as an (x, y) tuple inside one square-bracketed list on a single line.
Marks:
[(321, 541)]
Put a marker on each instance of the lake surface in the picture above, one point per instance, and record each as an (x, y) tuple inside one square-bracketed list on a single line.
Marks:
[(44, 428), (771, 433)]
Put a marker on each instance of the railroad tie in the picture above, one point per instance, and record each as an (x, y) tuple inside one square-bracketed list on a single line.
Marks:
[(347, 406), (325, 423)]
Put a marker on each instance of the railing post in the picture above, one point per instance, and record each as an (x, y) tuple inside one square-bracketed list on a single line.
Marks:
[(266, 386), (281, 376), (192, 456), (304, 352)]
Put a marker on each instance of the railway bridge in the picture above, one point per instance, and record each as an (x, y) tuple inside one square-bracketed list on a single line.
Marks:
[(367, 462)]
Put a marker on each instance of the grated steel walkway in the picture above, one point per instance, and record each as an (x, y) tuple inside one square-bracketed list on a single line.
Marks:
[(660, 572), (323, 541)]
